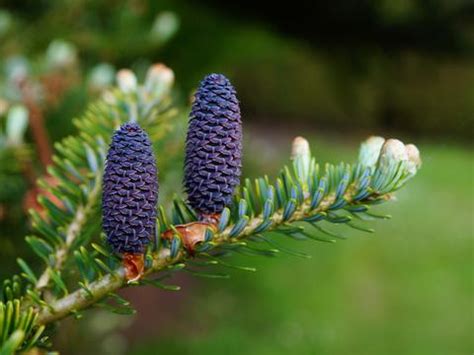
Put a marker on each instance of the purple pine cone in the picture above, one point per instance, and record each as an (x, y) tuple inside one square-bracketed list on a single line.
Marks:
[(130, 191), (213, 146)]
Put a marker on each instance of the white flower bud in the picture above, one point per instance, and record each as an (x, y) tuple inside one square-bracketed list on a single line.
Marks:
[(392, 153), (101, 76), (394, 149), (414, 159), (159, 80), (126, 80), (166, 24), (301, 155), (370, 150), (61, 54)]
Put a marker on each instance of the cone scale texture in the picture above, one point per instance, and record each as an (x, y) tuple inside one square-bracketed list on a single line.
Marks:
[(130, 191), (213, 146)]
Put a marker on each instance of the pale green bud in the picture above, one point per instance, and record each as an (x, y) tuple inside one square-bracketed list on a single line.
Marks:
[(101, 76), (301, 155), (370, 150), (392, 153), (166, 24), (159, 80), (126, 80), (414, 159), (17, 121), (61, 54)]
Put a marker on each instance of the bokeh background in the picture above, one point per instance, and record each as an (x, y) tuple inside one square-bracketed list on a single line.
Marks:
[(334, 71)]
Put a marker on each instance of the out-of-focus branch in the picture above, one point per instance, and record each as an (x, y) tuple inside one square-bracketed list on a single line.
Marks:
[(38, 130)]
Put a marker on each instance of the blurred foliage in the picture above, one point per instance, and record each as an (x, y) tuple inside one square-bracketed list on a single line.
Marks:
[(404, 65)]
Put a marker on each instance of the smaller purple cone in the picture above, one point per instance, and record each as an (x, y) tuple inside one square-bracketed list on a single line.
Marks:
[(130, 191)]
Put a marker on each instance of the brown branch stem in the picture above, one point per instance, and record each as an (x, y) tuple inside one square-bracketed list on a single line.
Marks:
[(38, 130), (97, 290)]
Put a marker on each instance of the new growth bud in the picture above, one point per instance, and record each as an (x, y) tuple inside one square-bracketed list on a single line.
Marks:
[(61, 54), (159, 80), (126, 80), (392, 153), (301, 155), (370, 150), (414, 159), (101, 77)]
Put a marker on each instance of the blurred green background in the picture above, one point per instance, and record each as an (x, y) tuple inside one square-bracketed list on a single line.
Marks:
[(332, 71)]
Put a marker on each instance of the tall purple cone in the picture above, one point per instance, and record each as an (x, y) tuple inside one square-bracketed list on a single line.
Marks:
[(213, 146), (130, 191)]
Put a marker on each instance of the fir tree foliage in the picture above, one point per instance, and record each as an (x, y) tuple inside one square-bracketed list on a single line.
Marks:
[(80, 270)]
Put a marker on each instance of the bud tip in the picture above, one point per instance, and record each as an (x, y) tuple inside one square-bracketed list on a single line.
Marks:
[(300, 148), (126, 80)]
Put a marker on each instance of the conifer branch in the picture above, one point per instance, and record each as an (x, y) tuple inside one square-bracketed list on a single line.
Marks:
[(81, 298), (81, 271), (163, 259), (95, 156), (37, 124), (73, 231)]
